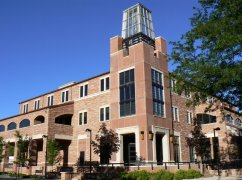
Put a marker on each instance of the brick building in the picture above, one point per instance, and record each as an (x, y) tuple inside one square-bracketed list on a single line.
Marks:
[(134, 99)]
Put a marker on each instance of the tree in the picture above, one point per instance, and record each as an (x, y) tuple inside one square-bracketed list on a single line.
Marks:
[(23, 147), (199, 141), (107, 142), (53, 150), (208, 57), (2, 144)]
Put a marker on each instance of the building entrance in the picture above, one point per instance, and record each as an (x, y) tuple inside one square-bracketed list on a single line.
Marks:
[(129, 148), (159, 148)]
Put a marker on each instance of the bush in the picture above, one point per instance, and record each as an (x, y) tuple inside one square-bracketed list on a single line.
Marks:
[(162, 174), (190, 174), (135, 175)]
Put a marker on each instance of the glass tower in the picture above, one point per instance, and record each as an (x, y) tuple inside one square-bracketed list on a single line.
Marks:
[(137, 26)]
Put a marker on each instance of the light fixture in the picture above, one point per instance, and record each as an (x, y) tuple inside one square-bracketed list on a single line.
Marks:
[(150, 135), (142, 135)]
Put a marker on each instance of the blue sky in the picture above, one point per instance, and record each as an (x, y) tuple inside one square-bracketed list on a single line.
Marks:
[(47, 43)]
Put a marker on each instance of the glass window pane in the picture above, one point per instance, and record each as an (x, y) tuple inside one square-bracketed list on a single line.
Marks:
[(107, 83), (107, 113), (81, 91), (102, 85), (86, 90)]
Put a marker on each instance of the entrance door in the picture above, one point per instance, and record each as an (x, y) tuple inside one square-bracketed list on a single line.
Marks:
[(132, 152), (129, 148), (82, 158), (159, 149)]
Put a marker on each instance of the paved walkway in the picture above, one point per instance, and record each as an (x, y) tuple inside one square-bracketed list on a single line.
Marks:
[(221, 178)]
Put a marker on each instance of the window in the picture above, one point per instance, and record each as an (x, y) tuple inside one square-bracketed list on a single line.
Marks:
[(176, 143), (206, 118), (65, 96), (173, 85), (36, 104), (84, 90), (26, 108), (2, 128), (238, 122), (127, 93), (229, 119), (12, 126), (189, 117), (188, 92), (104, 114), (24, 123), (175, 114), (64, 119), (192, 153), (104, 84), (157, 93), (82, 118), (50, 100)]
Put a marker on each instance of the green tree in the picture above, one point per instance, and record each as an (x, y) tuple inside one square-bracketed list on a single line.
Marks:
[(23, 147), (208, 56), (107, 143), (199, 141), (2, 144), (53, 151)]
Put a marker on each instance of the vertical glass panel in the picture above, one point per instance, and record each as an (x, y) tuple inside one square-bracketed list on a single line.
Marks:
[(107, 83), (86, 90), (80, 118), (107, 113), (102, 114), (85, 118), (121, 78), (81, 91), (102, 84), (63, 97), (67, 95)]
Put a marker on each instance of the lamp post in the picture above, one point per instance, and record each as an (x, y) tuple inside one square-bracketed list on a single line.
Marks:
[(45, 136), (90, 165), (214, 148)]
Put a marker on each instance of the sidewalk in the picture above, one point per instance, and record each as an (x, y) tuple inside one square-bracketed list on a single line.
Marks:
[(221, 178)]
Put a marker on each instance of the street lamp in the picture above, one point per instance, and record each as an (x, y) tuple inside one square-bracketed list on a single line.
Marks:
[(214, 148), (90, 166), (45, 136)]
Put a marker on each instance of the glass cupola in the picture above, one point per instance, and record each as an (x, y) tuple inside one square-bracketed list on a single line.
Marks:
[(137, 26)]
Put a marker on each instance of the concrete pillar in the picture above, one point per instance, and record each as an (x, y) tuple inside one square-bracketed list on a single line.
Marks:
[(15, 156)]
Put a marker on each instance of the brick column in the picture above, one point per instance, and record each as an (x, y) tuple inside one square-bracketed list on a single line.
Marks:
[(44, 150)]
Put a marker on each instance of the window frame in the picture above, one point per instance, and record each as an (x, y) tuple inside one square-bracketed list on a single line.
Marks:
[(163, 93), (173, 114), (104, 79), (83, 90), (66, 96), (104, 113), (25, 107), (189, 117), (50, 100), (36, 104), (130, 100), (83, 112)]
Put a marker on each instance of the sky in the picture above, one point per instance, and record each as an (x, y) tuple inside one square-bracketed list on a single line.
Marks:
[(47, 43)]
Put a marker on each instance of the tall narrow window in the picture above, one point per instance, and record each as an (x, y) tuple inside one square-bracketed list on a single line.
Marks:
[(127, 93), (104, 114), (104, 84), (175, 114), (65, 96), (36, 104), (189, 117), (82, 118), (157, 93), (50, 100), (83, 90), (26, 108)]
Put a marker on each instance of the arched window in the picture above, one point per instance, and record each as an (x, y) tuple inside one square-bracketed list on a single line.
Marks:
[(238, 122), (2, 128), (24, 123), (39, 120), (229, 119), (206, 118), (12, 126), (64, 119)]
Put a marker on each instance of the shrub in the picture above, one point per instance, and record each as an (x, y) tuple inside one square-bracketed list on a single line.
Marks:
[(190, 174), (162, 174), (135, 175)]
